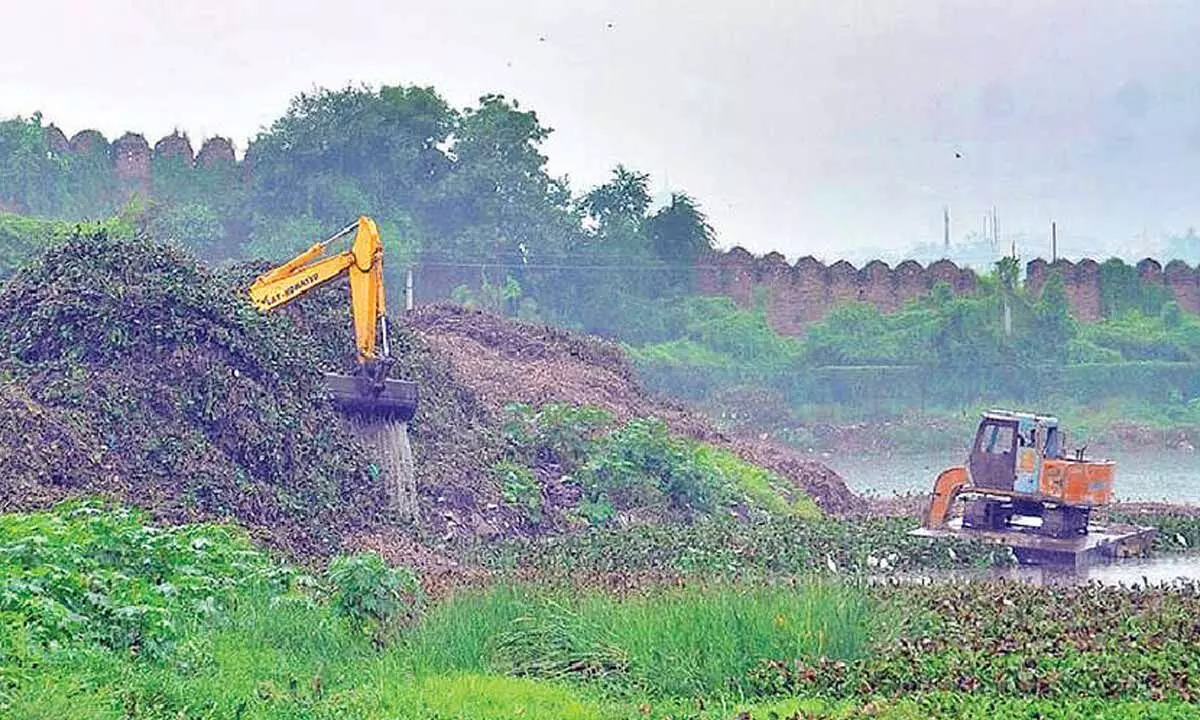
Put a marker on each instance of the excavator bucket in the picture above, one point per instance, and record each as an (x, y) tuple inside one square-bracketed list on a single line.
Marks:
[(360, 396)]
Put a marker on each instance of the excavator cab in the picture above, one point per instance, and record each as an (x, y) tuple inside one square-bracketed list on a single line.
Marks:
[(1016, 468), (1010, 450)]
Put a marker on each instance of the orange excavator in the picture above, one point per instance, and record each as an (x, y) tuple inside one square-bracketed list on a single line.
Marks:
[(1017, 468), (369, 392)]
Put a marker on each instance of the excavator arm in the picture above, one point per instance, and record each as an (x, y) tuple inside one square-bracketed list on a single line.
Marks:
[(363, 262), (370, 392), (949, 483)]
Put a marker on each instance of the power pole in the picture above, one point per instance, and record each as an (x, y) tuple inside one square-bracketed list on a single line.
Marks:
[(1053, 241), (946, 228), (408, 289), (995, 228)]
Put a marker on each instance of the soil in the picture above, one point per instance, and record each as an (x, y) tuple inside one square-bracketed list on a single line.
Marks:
[(504, 361)]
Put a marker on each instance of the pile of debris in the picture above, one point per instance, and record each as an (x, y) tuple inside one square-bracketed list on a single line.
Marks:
[(130, 370), (503, 361)]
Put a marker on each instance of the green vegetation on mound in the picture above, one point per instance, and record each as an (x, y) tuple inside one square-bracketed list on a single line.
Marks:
[(195, 405), (634, 468)]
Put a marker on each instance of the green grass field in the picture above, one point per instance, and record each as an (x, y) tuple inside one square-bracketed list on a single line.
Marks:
[(104, 616)]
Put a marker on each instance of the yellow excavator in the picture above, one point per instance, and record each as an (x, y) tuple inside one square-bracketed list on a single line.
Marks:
[(369, 392)]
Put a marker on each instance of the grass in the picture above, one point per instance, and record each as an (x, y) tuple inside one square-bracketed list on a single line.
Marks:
[(686, 642), (504, 653), (706, 650)]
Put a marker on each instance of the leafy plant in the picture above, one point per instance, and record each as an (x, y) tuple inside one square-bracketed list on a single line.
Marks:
[(85, 574), (641, 462), (372, 595), (520, 488), (554, 433)]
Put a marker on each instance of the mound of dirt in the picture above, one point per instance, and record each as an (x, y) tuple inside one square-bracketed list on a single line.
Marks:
[(194, 404), (505, 361), (46, 452), (130, 370)]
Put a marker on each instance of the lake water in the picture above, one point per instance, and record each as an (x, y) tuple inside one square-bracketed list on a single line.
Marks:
[(1158, 570), (1142, 475)]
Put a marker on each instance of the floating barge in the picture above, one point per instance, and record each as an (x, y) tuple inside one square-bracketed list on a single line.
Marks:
[(1101, 543)]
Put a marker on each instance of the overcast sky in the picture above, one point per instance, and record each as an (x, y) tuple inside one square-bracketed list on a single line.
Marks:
[(805, 127)]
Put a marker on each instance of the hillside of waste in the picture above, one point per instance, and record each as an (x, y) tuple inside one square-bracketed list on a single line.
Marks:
[(504, 361), (131, 371)]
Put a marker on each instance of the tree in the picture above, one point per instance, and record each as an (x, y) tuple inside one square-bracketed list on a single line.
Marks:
[(29, 172), (338, 154), (625, 196), (497, 210), (1053, 328), (679, 236)]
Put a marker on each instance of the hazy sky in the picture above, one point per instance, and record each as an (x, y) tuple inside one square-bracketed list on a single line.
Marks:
[(805, 127)]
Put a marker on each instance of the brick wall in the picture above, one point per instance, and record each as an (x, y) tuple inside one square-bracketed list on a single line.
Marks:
[(804, 292)]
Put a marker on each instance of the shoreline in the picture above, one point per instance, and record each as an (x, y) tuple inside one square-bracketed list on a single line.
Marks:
[(936, 433)]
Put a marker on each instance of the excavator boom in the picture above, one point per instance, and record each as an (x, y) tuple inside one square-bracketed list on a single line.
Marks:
[(369, 391)]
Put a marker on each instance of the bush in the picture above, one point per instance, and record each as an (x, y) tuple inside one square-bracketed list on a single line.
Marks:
[(372, 595), (84, 574), (556, 433), (641, 464), (520, 488)]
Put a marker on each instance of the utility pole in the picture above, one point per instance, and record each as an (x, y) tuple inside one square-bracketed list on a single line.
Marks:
[(1053, 241), (408, 289), (995, 228), (946, 228)]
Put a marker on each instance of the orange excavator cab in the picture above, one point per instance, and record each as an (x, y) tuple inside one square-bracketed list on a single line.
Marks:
[(1017, 468)]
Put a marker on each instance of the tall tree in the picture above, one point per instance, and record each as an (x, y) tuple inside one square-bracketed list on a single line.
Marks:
[(1053, 328), (29, 173), (679, 235)]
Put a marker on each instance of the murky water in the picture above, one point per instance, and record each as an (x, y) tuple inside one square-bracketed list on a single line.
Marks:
[(1166, 475), (1142, 572)]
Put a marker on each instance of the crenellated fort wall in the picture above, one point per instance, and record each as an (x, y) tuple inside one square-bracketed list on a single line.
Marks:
[(806, 291), (132, 157)]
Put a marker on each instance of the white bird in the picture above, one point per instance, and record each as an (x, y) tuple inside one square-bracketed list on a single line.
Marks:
[(1181, 539), (830, 564), (953, 555)]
